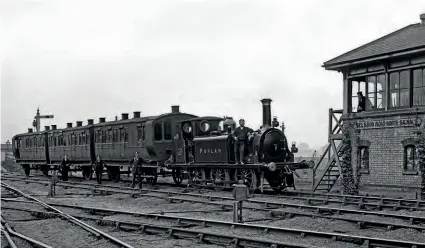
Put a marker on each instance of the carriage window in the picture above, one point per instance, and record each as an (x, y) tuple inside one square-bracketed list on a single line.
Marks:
[(98, 136), (139, 134), (167, 131), (126, 135), (158, 131), (103, 136), (110, 136), (363, 157), (143, 133), (122, 135), (410, 158)]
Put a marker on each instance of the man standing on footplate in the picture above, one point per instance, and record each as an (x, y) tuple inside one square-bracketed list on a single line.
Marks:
[(241, 137)]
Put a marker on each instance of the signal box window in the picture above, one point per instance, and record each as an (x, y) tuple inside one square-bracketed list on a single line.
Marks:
[(419, 87), (373, 89), (399, 89), (363, 158), (410, 158), (167, 130), (158, 131)]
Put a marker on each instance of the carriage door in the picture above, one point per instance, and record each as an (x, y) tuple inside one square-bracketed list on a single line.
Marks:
[(17, 146)]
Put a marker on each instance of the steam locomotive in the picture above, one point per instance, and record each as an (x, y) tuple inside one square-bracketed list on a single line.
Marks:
[(201, 149), (207, 153)]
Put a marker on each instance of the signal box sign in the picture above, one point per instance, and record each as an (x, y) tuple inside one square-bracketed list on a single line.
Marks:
[(386, 123)]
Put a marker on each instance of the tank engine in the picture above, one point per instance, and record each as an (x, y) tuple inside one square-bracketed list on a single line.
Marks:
[(208, 154)]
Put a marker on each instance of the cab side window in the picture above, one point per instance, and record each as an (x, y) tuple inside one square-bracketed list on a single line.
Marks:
[(167, 130), (158, 131)]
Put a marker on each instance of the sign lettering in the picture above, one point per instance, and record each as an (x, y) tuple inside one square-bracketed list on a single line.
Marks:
[(385, 123), (209, 150)]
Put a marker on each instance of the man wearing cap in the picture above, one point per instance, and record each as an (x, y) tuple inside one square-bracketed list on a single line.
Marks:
[(241, 137)]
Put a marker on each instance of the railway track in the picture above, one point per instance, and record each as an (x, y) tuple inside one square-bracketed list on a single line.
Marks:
[(314, 198), (172, 232), (273, 208), (88, 228), (302, 235)]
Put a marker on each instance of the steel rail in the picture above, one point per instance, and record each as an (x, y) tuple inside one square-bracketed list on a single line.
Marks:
[(350, 198), (268, 206), (30, 240), (70, 218), (8, 238), (204, 223), (328, 197)]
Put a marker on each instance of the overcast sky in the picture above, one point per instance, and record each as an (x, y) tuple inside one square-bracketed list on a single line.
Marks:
[(82, 59)]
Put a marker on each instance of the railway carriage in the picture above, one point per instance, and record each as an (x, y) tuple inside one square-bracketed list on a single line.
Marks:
[(152, 136), (115, 141), (75, 142), (30, 149)]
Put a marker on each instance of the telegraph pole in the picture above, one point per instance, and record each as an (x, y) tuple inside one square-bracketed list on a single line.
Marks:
[(36, 122)]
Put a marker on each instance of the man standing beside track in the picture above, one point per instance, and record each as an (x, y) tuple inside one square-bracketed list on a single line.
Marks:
[(65, 167), (98, 165), (136, 169)]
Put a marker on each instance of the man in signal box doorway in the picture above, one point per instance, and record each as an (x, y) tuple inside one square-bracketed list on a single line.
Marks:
[(241, 137)]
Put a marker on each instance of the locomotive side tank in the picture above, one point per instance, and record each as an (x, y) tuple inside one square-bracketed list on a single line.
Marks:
[(209, 157)]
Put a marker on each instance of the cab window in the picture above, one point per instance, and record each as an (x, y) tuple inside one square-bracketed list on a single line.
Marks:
[(167, 130), (158, 131)]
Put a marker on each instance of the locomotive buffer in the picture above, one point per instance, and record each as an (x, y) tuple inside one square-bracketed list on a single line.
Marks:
[(240, 193)]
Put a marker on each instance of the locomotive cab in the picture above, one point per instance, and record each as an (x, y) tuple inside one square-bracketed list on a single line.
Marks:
[(193, 131)]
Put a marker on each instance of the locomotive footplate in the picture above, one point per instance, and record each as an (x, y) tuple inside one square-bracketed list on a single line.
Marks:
[(290, 165)]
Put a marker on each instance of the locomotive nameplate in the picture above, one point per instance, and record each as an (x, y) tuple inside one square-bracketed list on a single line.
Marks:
[(213, 150)]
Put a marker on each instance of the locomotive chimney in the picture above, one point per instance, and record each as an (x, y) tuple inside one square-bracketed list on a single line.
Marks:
[(102, 119), (124, 116), (422, 17), (68, 125), (79, 123), (267, 112), (90, 122), (175, 109), (29, 130), (53, 127), (136, 114), (47, 128)]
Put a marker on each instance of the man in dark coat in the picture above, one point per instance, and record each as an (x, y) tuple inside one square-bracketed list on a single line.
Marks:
[(136, 169), (241, 137), (98, 165), (65, 167), (362, 102)]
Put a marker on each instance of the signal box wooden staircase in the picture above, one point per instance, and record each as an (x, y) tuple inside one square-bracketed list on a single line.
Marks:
[(327, 171)]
